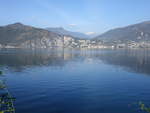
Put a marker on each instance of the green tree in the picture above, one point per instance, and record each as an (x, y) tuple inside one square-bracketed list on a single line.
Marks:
[(143, 107)]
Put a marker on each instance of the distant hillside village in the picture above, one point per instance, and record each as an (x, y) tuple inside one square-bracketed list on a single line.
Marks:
[(69, 42)]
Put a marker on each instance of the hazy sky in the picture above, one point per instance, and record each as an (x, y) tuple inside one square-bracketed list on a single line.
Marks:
[(77, 15)]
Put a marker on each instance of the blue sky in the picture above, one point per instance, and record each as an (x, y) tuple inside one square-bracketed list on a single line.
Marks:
[(86, 16)]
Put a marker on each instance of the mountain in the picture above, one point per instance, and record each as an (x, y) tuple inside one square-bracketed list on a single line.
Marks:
[(137, 33), (62, 31), (19, 35)]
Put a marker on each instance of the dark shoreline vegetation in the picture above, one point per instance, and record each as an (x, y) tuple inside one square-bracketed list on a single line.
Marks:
[(6, 99), (144, 108)]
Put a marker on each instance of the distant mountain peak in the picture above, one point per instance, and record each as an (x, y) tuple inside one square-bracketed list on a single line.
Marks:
[(62, 31), (147, 22), (60, 28), (16, 25)]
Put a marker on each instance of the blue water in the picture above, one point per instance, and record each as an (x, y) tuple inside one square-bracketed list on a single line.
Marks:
[(77, 81)]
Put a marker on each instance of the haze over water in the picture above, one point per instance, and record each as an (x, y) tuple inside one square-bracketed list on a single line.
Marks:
[(76, 81)]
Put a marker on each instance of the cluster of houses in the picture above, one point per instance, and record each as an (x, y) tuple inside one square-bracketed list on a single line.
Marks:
[(69, 42), (80, 43)]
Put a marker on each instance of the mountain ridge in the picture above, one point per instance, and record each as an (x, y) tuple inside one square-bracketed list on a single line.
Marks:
[(135, 32)]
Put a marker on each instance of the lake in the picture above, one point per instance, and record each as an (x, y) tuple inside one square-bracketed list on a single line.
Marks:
[(77, 81)]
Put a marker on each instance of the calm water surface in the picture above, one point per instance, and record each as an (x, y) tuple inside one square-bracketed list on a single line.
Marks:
[(75, 81)]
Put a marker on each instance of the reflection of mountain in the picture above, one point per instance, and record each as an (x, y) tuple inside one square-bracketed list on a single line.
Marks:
[(131, 60), (19, 60), (34, 58)]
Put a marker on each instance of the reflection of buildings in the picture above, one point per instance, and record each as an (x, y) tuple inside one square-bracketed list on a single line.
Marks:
[(133, 60), (67, 56)]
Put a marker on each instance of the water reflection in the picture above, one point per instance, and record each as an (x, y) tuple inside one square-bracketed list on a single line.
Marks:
[(131, 60)]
